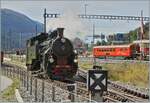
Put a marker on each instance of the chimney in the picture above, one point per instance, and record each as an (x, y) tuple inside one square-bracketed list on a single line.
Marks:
[(60, 32)]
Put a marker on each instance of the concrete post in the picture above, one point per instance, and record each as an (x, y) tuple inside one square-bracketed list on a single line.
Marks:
[(31, 85), (35, 90), (42, 90), (53, 93), (97, 96)]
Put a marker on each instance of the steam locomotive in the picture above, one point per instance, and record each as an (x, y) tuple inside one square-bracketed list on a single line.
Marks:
[(51, 55)]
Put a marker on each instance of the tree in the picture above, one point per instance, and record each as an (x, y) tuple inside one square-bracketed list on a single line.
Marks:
[(104, 42), (98, 43), (133, 33)]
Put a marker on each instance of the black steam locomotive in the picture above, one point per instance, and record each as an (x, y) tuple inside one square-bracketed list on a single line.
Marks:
[(51, 55)]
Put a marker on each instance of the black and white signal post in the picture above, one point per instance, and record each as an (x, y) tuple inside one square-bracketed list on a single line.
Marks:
[(97, 84)]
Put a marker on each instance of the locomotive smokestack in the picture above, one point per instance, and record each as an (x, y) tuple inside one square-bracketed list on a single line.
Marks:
[(60, 32)]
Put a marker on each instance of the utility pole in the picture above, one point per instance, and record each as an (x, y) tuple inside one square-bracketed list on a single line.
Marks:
[(45, 20), (36, 29), (85, 7), (20, 46), (141, 35), (7, 42), (137, 35), (93, 33), (10, 39), (94, 60), (142, 31), (4, 41), (20, 42)]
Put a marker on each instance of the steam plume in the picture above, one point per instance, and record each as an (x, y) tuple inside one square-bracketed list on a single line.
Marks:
[(72, 24)]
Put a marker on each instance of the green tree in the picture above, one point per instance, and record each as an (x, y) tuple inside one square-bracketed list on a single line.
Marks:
[(104, 42), (98, 43), (133, 35)]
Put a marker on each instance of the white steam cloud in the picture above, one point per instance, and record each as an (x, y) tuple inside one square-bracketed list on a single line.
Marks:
[(72, 24)]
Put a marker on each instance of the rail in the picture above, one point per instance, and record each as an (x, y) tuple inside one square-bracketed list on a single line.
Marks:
[(122, 92), (33, 89), (90, 59)]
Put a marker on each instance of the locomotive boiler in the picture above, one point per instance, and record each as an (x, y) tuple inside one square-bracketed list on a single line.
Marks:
[(52, 55)]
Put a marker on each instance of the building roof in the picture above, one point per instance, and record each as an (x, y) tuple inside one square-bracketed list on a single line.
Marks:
[(112, 46), (141, 41)]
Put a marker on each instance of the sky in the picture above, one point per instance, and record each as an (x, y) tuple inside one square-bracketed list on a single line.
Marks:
[(76, 27)]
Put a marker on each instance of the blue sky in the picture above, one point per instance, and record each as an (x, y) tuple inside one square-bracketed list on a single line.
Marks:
[(79, 27)]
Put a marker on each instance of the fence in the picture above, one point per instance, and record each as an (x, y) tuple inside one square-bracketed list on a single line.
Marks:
[(40, 90)]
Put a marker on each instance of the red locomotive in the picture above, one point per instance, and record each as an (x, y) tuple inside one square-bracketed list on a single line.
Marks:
[(136, 50)]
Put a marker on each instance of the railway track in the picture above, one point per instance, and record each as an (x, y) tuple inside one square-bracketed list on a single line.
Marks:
[(81, 91), (130, 92), (115, 92), (90, 59), (120, 92)]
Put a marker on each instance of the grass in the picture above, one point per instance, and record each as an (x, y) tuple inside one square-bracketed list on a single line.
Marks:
[(86, 65), (135, 74), (17, 60), (9, 93), (17, 63)]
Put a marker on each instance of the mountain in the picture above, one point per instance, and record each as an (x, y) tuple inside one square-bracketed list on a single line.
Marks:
[(16, 26)]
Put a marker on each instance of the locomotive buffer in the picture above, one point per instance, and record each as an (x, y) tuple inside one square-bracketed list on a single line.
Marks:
[(97, 84)]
